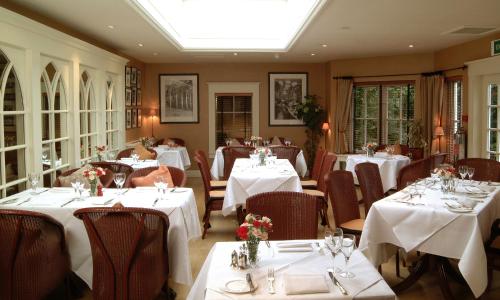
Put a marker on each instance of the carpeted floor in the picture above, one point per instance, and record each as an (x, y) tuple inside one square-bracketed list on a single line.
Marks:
[(223, 229)]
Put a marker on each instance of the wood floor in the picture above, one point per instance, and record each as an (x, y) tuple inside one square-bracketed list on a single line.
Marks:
[(223, 229)]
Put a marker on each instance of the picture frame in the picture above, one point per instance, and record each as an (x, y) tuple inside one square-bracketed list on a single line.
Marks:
[(139, 118), (173, 87), (128, 96), (139, 97), (128, 118), (138, 78), (286, 90), (127, 76), (133, 77), (134, 96), (134, 118)]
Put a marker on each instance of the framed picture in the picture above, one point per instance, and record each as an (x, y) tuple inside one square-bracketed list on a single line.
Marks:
[(286, 90), (138, 78), (133, 77), (134, 118), (128, 118), (178, 98), (128, 96), (139, 117), (134, 96), (127, 76), (139, 97)]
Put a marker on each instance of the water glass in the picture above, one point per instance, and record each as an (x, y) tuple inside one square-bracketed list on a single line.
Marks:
[(33, 179), (134, 156), (228, 142), (348, 245), (333, 241), (470, 172), (119, 179), (462, 171), (78, 187), (161, 185)]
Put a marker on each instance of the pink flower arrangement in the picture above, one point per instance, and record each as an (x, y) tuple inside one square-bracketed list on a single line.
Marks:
[(445, 172), (254, 228), (93, 173)]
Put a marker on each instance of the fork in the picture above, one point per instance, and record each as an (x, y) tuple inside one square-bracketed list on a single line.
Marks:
[(270, 280)]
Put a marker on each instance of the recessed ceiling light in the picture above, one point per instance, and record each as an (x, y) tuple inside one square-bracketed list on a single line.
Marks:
[(324, 45), (312, 54), (345, 27), (410, 46), (235, 54), (276, 55), (111, 26), (140, 45), (155, 53)]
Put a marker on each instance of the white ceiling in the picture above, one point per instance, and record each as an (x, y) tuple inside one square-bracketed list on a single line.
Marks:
[(350, 28)]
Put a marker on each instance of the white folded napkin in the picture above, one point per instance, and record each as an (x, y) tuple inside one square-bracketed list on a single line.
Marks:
[(365, 275), (295, 249), (297, 284), (293, 244)]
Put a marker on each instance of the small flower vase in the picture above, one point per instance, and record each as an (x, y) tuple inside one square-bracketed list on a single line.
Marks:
[(93, 188), (262, 158), (370, 152), (99, 157), (253, 249), (254, 144)]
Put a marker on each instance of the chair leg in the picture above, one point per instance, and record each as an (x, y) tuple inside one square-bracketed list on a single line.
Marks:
[(398, 273), (206, 222)]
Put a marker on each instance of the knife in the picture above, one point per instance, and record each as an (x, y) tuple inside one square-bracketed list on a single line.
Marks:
[(250, 283), (66, 203), (337, 283)]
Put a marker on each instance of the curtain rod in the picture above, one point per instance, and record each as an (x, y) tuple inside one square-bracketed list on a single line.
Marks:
[(439, 72)]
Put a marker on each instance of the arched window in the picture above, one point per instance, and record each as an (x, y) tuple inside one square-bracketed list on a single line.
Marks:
[(12, 131), (88, 118), (55, 133), (112, 130)]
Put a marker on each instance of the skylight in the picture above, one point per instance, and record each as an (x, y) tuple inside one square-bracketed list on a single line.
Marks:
[(231, 25)]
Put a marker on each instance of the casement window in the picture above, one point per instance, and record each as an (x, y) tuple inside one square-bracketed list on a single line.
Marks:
[(88, 118), (454, 87), (112, 128), (233, 117), (493, 124)]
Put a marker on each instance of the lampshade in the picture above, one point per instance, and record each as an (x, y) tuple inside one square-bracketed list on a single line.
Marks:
[(325, 126), (152, 112), (438, 131)]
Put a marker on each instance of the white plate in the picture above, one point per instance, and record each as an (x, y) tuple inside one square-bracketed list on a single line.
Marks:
[(460, 210), (238, 286)]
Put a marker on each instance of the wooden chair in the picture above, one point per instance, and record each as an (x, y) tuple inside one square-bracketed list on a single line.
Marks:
[(158, 142), (415, 170), (178, 141), (294, 215), (106, 180), (321, 193), (316, 170), (57, 182), (485, 169), (284, 152), (231, 153), (344, 201), (129, 251), (370, 183), (127, 152), (216, 184), (213, 198), (437, 160), (115, 167), (179, 177), (34, 260)]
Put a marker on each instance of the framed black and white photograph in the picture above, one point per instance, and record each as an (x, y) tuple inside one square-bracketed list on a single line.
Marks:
[(128, 118), (134, 118), (128, 96), (139, 97), (178, 98), (134, 96), (127, 76), (133, 77), (286, 90), (138, 78), (139, 117)]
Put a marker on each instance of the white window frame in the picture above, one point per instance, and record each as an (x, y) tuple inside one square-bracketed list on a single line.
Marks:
[(111, 111), (496, 130), (385, 111), (89, 97), (365, 118)]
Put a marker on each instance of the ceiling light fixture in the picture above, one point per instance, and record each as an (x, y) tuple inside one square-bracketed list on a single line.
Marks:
[(324, 45), (312, 54), (255, 25), (235, 54), (155, 53), (410, 46), (111, 27), (276, 55), (140, 45)]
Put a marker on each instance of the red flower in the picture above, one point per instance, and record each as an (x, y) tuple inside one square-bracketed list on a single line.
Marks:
[(242, 232), (256, 224), (267, 225)]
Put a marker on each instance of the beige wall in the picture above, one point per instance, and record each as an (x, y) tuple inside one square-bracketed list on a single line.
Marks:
[(196, 135)]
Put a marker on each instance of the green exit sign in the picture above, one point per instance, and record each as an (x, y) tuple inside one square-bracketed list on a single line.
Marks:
[(495, 47)]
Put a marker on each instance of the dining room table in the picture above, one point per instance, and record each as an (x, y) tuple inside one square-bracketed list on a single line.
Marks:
[(388, 165), (300, 272), (217, 169), (173, 156), (248, 179), (440, 224), (60, 203)]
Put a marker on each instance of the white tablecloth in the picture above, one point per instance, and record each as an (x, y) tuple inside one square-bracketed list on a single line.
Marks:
[(246, 181), (173, 156), (180, 208), (431, 228), (215, 272), (217, 169), (389, 167), (141, 164)]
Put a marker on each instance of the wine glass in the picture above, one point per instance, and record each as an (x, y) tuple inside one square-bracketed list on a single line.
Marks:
[(462, 171), (33, 179), (333, 241), (348, 244), (470, 172), (420, 186), (228, 142), (77, 187), (161, 185), (119, 179)]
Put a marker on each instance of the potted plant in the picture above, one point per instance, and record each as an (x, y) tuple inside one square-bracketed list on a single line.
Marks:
[(313, 116)]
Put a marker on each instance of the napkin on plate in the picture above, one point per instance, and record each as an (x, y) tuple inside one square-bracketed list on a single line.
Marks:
[(294, 247), (297, 284)]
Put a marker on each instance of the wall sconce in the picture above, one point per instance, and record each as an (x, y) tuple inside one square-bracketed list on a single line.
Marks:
[(325, 127), (438, 133), (152, 114)]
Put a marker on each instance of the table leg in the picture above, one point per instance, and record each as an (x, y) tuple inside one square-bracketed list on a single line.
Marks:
[(443, 279), (420, 268)]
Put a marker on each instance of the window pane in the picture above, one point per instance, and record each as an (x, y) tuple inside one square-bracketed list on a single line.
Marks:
[(359, 110), (11, 190), (393, 102), (242, 103), (13, 100), (14, 130), (359, 129), (404, 133), (60, 124), (61, 153), (45, 95), (371, 131), (45, 127), (372, 102), (91, 122), (493, 141), (83, 123), (493, 117), (51, 71), (3, 63), (15, 167), (60, 97), (393, 129), (493, 94)]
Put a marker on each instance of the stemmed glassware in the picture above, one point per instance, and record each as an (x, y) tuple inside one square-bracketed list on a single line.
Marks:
[(333, 241), (119, 179), (33, 179), (348, 245), (470, 172), (228, 142), (78, 187), (161, 185), (134, 156), (288, 143), (462, 171)]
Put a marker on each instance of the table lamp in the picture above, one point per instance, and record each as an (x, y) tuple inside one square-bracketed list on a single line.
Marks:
[(325, 127), (439, 132), (152, 113)]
